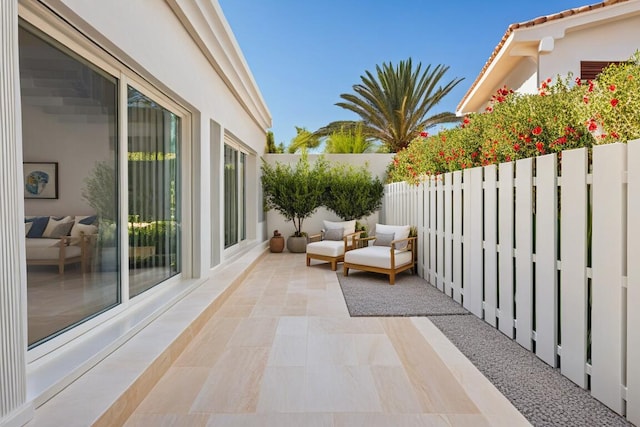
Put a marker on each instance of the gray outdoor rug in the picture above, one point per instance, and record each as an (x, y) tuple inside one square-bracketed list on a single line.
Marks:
[(369, 294)]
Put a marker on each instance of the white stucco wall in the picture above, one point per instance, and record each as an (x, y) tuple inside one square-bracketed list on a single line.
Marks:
[(377, 166), (611, 41), (523, 78)]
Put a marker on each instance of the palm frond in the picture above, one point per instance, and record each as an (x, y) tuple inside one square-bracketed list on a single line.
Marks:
[(394, 102)]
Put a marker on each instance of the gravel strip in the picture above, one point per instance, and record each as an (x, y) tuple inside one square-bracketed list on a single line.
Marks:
[(538, 391)]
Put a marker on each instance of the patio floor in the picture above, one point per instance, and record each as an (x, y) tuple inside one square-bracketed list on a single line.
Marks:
[(283, 351)]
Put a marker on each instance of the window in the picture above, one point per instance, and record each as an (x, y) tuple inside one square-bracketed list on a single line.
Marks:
[(234, 196), (589, 70)]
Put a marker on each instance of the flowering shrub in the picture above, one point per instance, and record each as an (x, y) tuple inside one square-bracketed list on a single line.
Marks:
[(449, 150), (564, 114), (611, 104), (531, 125)]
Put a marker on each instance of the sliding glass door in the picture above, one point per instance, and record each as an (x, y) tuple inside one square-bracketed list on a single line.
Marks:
[(70, 148), (154, 197), (75, 179)]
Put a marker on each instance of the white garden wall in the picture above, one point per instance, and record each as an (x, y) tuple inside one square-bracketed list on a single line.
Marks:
[(548, 254), (377, 164)]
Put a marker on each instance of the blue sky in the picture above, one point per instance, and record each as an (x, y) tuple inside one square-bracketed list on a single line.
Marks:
[(304, 54)]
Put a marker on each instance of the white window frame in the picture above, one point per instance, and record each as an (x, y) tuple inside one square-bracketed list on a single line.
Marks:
[(232, 142)]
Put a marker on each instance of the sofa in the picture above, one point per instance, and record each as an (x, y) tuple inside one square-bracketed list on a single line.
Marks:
[(60, 241)]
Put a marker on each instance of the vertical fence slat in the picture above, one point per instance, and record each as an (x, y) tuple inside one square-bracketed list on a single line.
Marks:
[(633, 283), (421, 224), (524, 249), (433, 234), (466, 232), (456, 275), (573, 274), (473, 286), (546, 292), (608, 239), (505, 274), (440, 231), (424, 244), (490, 245), (448, 233)]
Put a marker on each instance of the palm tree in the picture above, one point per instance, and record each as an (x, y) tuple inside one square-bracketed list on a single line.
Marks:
[(394, 104), (304, 139), (350, 140)]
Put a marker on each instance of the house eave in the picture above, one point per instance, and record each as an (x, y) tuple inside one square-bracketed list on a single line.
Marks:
[(522, 39), (207, 26)]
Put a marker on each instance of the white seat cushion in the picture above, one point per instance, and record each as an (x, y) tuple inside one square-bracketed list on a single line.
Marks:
[(41, 249), (377, 256), (332, 248)]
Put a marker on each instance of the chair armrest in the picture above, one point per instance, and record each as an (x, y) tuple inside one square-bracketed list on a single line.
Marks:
[(314, 237), (410, 242), (364, 242), (351, 240)]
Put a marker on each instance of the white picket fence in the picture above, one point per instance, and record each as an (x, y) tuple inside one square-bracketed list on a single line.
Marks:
[(511, 243)]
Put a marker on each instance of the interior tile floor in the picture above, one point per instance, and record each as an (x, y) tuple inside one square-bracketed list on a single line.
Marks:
[(283, 351), (56, 301)]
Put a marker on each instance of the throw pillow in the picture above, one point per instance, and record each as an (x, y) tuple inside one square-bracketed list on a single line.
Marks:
[(53, 223), (348, 226), (89, 220), (27, 227), (399, 231), (61, 230), (39, 223), (383, 239), (78, 229), (334, 234)]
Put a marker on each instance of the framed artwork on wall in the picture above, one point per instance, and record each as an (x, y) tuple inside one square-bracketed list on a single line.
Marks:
[(40, 180)]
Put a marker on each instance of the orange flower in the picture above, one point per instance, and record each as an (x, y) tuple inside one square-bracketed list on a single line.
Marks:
[(614, 102)]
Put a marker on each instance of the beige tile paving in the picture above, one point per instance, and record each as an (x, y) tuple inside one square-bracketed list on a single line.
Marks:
[(283, 351)]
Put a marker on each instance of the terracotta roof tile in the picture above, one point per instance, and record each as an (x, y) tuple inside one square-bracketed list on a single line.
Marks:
[(531, 23)]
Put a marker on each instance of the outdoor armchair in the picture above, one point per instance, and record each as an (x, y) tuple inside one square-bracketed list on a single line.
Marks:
[(392, 252), (336, 239)]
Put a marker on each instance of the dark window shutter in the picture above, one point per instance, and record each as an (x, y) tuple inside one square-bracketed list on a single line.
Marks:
[(589, 70)]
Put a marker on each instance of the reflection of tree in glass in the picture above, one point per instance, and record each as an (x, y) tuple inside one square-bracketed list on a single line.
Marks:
[(100, 191)]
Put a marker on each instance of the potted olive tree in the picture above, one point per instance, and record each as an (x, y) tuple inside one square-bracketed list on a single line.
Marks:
[(296, 192), (352, 193)]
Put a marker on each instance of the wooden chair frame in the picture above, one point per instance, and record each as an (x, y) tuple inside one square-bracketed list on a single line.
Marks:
[(350, 242), (393, 270)]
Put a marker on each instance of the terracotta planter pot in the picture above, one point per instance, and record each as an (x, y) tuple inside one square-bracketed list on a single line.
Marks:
[(276, 244), (297, 244)]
